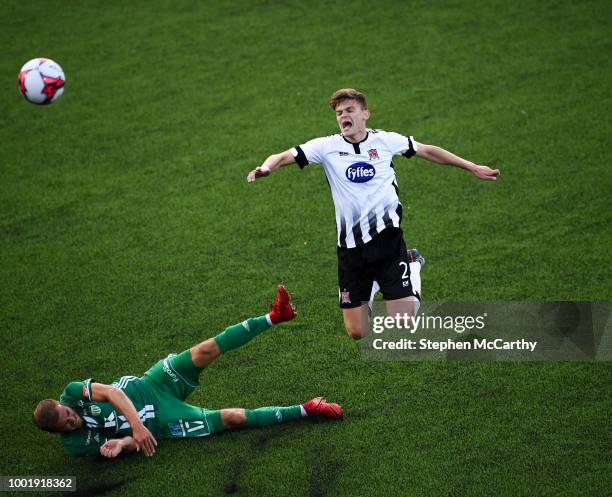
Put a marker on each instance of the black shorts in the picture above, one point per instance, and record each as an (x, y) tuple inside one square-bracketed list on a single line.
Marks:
[(383, 259)]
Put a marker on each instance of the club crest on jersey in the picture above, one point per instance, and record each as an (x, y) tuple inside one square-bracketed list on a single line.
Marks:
[(95, 410), (360, 172), (345, 297), (373, 153)]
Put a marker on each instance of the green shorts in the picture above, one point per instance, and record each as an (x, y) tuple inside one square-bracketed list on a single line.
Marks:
[(170, 381)]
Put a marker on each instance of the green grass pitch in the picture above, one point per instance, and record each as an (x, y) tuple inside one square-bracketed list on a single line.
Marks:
[(127, 231)]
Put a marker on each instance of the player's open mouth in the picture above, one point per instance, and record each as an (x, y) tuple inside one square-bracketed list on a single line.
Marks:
[(346, 125)]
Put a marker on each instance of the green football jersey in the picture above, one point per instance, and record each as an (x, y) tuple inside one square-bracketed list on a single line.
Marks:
[(101, 420)]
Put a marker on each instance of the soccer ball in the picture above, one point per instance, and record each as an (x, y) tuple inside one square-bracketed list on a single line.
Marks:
[(41, 81)]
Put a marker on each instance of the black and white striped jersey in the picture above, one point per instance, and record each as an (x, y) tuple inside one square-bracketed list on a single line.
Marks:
[(362, 180)]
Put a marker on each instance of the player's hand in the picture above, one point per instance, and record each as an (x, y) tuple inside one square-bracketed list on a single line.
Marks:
[(485, 172), (111, 448), (144, 440), (258, 172)]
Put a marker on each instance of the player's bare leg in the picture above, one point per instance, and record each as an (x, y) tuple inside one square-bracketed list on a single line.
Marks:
[(266, 416), (204, 353), (233, 418), (408, 306), (356, 321)]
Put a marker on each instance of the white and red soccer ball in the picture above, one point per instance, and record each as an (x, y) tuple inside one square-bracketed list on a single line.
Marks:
[(41, 81)]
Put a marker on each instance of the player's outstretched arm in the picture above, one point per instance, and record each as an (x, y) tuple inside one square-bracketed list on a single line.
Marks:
[(271, 164), (143, 438), (115, 446), (441, 156)]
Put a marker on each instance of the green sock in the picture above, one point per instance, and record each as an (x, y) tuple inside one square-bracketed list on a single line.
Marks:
[(237, 335), (266, 416)]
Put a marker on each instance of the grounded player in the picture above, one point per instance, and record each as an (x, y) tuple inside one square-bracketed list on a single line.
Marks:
[(372, 253), (93, 418)]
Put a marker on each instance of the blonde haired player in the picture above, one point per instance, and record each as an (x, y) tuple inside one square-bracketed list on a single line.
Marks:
[(132, 413)]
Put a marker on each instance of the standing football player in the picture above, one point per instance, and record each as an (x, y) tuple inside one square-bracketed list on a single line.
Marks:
[(372, 253)]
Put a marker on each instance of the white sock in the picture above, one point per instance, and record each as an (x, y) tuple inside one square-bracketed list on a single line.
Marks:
[(269, 320), (304, 413), (375, 289), (416, 303)]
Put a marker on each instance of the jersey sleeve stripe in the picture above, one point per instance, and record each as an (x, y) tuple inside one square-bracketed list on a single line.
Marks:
[(300, 156), (411, 148)]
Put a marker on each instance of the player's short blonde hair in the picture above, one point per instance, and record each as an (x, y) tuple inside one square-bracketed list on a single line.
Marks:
[(46, 415), (347, 94)]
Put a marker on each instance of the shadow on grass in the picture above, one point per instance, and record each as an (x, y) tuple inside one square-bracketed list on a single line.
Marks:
[(325, 470), (325, 466), (260, 443)]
